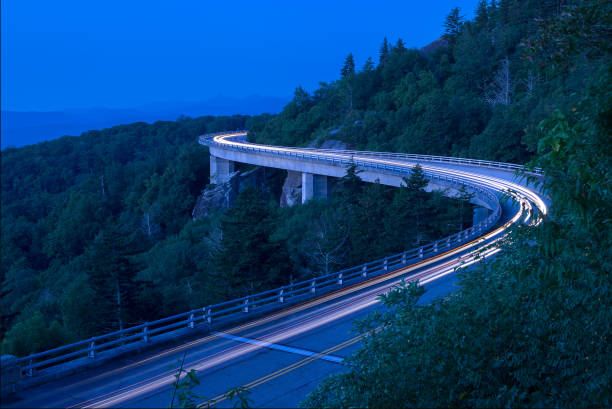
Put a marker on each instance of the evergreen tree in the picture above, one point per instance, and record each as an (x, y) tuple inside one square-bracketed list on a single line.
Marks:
[(248, 260), (415, 186), (112, 280), (368, 66), (349, 187), (452, 25), (349, 66), (482, 14), (399, 46), (464, 210), (384, 51)]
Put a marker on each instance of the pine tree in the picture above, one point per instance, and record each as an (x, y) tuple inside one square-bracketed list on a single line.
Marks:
[(384, 51), (349, 66), (452, 25), (415, 185), (112, 280), (482, 14), (369, 65), (349, 187), (464, 198), (399, 46), (248, 259)]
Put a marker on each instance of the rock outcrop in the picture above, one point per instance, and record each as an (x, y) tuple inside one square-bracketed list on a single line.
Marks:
[(223, 196), (292, 189), (216, 197)]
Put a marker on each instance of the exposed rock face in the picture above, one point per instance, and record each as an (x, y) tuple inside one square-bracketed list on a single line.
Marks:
[(223, 196), (215, 197), (292, 189)]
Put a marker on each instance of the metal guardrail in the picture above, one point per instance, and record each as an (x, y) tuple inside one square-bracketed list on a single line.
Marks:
[(239, 308), (207, 140)]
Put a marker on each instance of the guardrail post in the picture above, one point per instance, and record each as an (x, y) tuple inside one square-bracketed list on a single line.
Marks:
[(245, 307), (145, 334), (435, 247), (420, 252), (340, 279), (313, 287), (364, 271), (208, 315), (404, 257), (385, 265), (30, 369), (92, 349), (281, 295), (190, 325), (448, 242)]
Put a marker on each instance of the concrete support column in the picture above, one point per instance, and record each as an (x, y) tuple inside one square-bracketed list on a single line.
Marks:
[(480, 214), (220, 169), (307, 187), (314, 186)]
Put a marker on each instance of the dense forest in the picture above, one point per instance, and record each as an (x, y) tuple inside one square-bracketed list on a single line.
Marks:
[(105, 216)]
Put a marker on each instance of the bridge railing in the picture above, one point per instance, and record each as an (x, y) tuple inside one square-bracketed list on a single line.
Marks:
[(239, 309), (207, 140)]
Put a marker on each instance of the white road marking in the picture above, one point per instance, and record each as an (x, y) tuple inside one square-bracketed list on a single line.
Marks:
[(277, 347)]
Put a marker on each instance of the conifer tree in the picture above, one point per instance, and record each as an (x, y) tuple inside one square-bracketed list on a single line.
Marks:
[(112, 280), (349, 187), (248, 259), (399, 46), (452, 25), (349, 66), (384, 51), (415, 185), (482, 14), (369, 65)]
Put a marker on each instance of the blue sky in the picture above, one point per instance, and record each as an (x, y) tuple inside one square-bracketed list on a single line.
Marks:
[(120, 54)]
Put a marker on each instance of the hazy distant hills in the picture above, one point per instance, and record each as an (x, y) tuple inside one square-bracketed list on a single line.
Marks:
[(26, 128)]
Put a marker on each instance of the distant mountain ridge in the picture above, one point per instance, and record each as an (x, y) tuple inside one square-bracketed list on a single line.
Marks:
[(20, 128)]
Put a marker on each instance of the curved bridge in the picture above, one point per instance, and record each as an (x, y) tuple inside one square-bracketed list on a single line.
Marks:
[(281, 342)]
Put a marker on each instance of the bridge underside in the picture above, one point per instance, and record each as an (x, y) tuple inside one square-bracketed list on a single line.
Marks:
[(315, 183)]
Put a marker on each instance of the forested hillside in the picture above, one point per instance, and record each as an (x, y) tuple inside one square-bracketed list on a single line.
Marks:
[(90, 220), (480, 91), (532, 327), (76, 210)]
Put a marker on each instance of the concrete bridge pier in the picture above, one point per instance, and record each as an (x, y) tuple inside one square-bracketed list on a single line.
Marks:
[(314, 187), (480, 214), (220, 169)]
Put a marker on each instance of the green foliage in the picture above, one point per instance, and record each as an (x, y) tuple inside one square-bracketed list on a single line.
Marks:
[(183, 388), (452, 24), (249, 260), (61, 264), (239, 397), (349, 66)]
